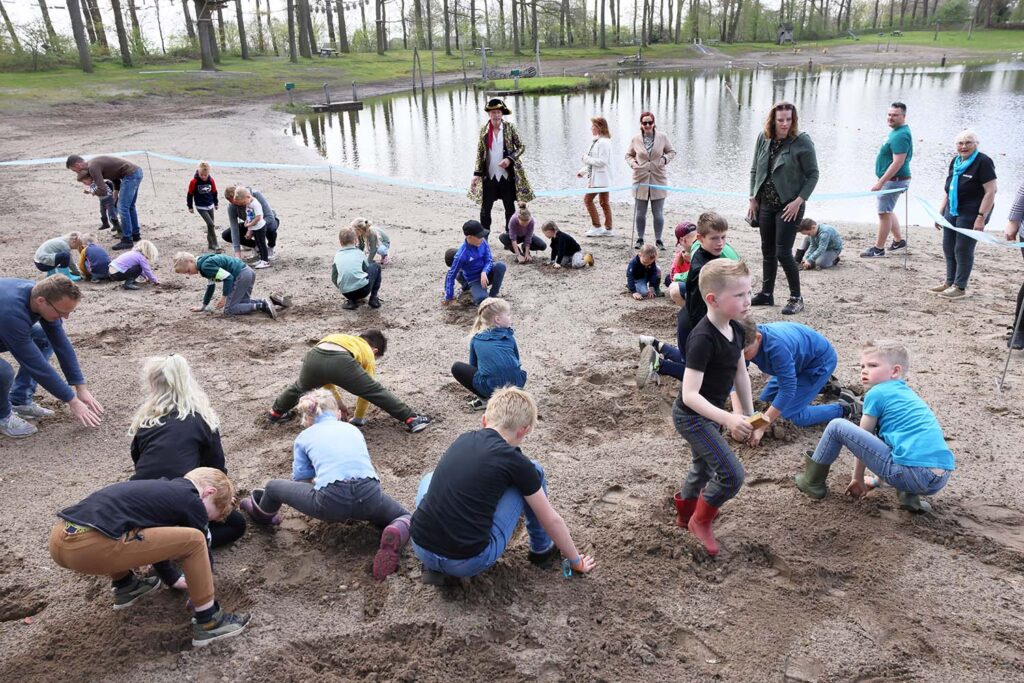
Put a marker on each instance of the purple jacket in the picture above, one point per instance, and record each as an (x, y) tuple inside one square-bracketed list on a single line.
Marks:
[(516, 230), (134, 258)]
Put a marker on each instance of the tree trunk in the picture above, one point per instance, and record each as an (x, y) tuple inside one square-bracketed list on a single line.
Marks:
[(561, 23), (310, 27), (487, 21), (472, 24), (300, 20), (501, 23), (671, 7), (362, 13), (892, 10), (455, 14), (10, 28), (430, 29), (533, 24), (189, 28), (903, 11), (222, 33), (379, 27), (204, 28), (293, 55), (81, 39), (604, 40), (243, 44), (695, 11), (735, 21), (515, 30), (446, 25), (50, 33), (679, 20), (122, 36), (635, 8), (261, 39), (137, 41), (661, 18), (417, 10), (342, 28), (159, 27), (87, 22), (331, 35)]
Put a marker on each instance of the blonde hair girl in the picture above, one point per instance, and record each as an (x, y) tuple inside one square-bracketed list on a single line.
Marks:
[(174, 431), (493, 354), (315, 403), (140, 261)]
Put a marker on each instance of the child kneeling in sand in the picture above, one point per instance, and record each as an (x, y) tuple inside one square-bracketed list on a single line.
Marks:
[(468, 508), (473, 266), (372, 240), (643, 276), (334, 480), (236, 280), (714, 364), (54, 255), (94, 261), (909, 453), (800, 362), (138, 262), (565, 251), (135, 523), (354, 277), (493, 354), (822, 245)]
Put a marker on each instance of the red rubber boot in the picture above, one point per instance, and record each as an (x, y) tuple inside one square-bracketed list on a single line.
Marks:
[(394, 537), (700, 525), (684, 509)]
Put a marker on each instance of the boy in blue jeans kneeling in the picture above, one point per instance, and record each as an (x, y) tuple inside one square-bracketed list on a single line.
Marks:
[(909, 453), (467, 509), (474, 267)]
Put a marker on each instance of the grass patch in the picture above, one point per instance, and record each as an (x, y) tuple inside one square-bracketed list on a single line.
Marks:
[(543, 84), (984, 41)]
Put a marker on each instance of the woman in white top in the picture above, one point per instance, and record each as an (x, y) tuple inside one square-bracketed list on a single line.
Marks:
[(597, 170)]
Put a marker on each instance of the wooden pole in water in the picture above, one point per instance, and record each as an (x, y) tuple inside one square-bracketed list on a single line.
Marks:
[(414, 53)]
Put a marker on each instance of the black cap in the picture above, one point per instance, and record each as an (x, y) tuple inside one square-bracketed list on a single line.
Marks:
[(474, 229)]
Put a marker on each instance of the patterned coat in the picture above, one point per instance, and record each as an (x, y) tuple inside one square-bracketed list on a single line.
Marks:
[(514, 149)]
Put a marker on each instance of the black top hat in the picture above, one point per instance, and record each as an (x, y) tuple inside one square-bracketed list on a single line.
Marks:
[(474, 229), (496, 103)]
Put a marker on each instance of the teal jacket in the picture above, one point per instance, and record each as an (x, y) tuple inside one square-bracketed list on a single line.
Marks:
[(349, 270), (795, 172)]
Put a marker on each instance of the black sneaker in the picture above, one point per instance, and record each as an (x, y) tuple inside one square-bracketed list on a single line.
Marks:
[(123, 244), (793, 306), (639, 243), (374, 301), (417, 423), (477, 403), (223, 625), (544, 557), (128, 284), (125, 597), (1016, 342), (660, 245), (763, 299), (872, 252), (274, 418), (897, 246), (853, 408), (350, 305)]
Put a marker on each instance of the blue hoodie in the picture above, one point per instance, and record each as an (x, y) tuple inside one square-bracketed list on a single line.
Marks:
[(494, 354)]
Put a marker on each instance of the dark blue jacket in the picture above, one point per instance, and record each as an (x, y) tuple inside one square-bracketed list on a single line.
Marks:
[(638, 271), (495, 356), (16, 321), (99, 261)]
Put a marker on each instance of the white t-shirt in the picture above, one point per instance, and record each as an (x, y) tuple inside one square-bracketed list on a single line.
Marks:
[(254, 210), (496, 154)]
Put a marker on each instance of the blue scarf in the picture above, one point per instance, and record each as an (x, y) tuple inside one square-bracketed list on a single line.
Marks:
[(959, 166)]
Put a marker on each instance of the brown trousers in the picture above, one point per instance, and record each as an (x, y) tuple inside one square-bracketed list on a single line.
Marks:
[(595, 219), (91, 552)]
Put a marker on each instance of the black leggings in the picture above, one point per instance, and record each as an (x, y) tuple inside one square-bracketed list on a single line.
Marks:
[(1020, 299), (464, 374), (228, 531), (129, 275), (777, 238)]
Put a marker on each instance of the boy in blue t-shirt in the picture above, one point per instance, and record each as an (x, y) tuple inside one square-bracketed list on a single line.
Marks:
[(909, 453)]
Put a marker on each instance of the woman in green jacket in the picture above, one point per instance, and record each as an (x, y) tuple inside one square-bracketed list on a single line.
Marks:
[(782, 177)]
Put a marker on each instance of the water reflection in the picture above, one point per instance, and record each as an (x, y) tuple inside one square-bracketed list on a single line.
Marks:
[(712, 118)]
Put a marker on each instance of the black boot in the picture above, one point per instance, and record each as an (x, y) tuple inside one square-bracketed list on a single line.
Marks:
[(800, 255)]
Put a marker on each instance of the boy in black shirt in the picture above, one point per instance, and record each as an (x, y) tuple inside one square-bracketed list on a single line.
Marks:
[(565, 251), (135, 523), (468, 508), (714, 363)]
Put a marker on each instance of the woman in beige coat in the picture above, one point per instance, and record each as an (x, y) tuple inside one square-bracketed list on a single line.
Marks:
[(648, 155)]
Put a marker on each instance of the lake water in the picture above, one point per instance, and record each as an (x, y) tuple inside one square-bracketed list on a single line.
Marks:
[(712, 118)]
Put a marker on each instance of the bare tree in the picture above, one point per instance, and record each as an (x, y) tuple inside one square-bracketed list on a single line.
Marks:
[(122, 36), (417, 10), (270, 29), (501, 22), (293, 56), (309, 26), (159, 26), (204, 29), (331, 36), (447, 27), (97, 23), (137, 42), (430, 28), (10, 28), (301, 9), (472, 23), (516, 49), (77, 27), (51, 34), (261, 43), (222, 33), (87, 20), (405, 33), (189, 27), (379, 26), (604, 42), (342, 29), (242, 42)]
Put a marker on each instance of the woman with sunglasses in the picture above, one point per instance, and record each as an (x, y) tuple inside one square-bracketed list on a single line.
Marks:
[(782, 177), (648, 155)]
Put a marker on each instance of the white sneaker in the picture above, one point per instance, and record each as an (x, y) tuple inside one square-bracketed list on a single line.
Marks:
[(259, 265), (32, 411), (17, 428), (270, 254), (597, 232)]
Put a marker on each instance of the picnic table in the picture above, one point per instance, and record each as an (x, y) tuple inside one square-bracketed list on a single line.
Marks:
[(328, 52)]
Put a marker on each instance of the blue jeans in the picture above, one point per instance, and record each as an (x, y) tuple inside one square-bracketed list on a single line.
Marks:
[(673, 362), (477, 290), (653, 281), (126, 205), (18, 389), (808, 385), (959, 250), (877, 457), (510, 508)]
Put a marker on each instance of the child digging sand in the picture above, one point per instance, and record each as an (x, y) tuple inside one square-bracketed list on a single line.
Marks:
[(236, 280), (94, 261), (54, 256), (468, 508), (565, 251), (373, 241), (135, 523), (135, 263), (714, 364), (108, 209), (909, 453), (474, 267), (354, 277), (822, 245), (493, 354), (334, 480), (643, 277)]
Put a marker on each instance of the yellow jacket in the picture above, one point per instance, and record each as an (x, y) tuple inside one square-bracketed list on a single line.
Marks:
[(361, 351)]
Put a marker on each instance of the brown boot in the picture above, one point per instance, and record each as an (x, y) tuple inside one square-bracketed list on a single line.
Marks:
[(684, 509), (700, 525)]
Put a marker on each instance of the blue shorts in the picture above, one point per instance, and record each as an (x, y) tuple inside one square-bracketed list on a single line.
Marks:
[(887, 202)]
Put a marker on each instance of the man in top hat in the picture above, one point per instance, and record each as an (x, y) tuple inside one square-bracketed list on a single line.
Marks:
[(498, 172)]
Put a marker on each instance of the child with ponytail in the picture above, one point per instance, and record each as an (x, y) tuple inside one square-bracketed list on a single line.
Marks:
[(139, 262), (334, 480), (493, 354), (174, 431)]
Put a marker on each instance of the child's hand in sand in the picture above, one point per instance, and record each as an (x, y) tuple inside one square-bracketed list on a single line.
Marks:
[(584, 564), (857, 488), (220, 303), (638, 296), (556, 264), (738, 427), (197, 309), (756, 436)]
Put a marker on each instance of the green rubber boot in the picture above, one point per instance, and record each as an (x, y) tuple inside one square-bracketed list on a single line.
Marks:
[(812, 481), (912, 502)]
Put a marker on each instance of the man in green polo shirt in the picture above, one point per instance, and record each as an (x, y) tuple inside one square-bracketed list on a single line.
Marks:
[(892, 168)]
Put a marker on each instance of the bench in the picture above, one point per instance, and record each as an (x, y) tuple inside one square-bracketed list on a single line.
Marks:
[(328, 52)]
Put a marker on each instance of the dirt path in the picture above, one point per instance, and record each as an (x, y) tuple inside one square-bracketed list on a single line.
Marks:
[(803, 591)]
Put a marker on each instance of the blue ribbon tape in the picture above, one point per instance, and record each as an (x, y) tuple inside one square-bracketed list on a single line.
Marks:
[(979, 235)]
